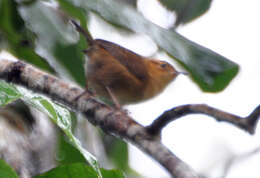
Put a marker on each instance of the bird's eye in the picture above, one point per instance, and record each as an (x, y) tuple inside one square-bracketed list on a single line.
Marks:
[(163, 65)]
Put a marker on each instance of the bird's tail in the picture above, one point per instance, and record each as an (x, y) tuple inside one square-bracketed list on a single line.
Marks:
[(88, 37)]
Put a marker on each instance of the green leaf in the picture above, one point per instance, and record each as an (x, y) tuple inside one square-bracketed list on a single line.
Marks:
[(61, 117), (8, 93), (57, 41), (187, 10), (73, 11), (117, 151), (68, 54), (6, 171), (112, 173), (58, 114), (67, 153), (79, 170), (119, 154), (17, 39), (211, 71)]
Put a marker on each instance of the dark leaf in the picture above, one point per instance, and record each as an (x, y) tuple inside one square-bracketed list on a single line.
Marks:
[(56, 40), (211, 71), (19, 41), (187, 10), (117, 151), (71, 57), (73, 11)]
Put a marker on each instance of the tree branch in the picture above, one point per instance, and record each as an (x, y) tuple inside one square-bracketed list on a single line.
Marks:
[(107, 118), (246, 123)]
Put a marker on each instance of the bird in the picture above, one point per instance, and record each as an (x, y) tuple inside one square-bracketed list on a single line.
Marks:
[(121, 75)]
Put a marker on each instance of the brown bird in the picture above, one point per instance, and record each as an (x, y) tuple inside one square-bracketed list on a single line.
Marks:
[(117, 73)]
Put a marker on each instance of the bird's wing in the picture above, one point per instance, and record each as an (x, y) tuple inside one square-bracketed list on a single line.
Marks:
[(132, 61)]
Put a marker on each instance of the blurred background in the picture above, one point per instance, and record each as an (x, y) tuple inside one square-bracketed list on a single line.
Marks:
[(38, 32), (229, 28)]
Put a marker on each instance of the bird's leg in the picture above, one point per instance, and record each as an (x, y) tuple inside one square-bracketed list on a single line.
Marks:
[(86, 91), (113, 97)]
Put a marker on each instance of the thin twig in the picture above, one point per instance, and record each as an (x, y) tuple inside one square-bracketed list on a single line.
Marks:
[(108, 119), (246, 123)]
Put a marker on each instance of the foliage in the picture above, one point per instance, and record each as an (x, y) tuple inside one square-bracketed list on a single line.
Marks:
[(18, 38), (57, 44), (39, 33), (211, 71), (79, 170), (6, 170), (186, 10), (58, 114)]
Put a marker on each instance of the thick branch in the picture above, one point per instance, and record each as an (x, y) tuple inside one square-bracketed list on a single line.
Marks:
[(247, 123), (111, 121)]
